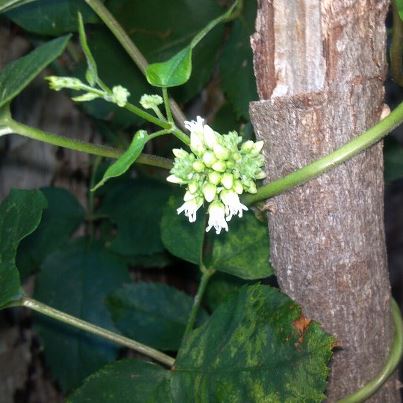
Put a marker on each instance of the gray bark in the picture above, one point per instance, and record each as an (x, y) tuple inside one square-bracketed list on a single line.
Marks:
[(319, 67)]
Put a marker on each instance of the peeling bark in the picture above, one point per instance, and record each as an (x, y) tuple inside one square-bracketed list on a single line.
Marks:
[(320, 82)]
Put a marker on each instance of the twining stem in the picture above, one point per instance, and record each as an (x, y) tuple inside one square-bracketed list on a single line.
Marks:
[(91, 195), (206, 274), (90, 328), (78, 145), (316, 168), (131, 49), (396, 46), (393, 360)]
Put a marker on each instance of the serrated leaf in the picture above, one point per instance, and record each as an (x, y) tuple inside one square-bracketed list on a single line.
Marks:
[(126, 160), (172, 73), (61, 218), (236, 63), (76, 279), (182, 238), (135, 206), (20, 214), (151, 313), (243, 251), (50, 17), (126, 381), (19, 73), (250, 350)]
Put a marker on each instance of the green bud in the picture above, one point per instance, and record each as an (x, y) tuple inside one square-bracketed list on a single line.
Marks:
[(238, 187), (150, 101), (120, 95), (193, 187), (221, 152), (247, 146), (214, 178), (230, 164), (209, 158), (179, 153), (252, 188), (227, 180), (198, 166), (237, 157), (219, 166), (260, 175), (209, 192), (88, 96), (257, 147)]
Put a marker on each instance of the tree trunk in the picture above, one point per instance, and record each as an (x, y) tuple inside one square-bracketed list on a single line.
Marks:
[(319, 66)]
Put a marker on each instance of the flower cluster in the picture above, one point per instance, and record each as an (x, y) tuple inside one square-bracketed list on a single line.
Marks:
[(218, 169), (118, 95)]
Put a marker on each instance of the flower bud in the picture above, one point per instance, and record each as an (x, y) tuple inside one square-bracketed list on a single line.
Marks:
[(175, 179), (179, 153), (214, 178), (209, 192), (219, 166), (252, 188), (237, 157), (120, 95), (221, 152), (198, 166), (238, 187), (150, 101), (230, 164), (257, 147), (247, 146), (210, 137), (209, 158), (227, 180), (260, 175), (193, 187)]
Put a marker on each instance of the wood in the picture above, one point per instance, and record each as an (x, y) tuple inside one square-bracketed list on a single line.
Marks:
[(320, 82)]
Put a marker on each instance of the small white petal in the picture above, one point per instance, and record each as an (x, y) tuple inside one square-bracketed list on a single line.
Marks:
[(217, 217), (190, 208), (179, 153), (232, 204), (175, 179)]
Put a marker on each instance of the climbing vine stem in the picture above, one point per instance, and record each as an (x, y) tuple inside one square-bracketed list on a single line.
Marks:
[(90, 328), (324, 164)]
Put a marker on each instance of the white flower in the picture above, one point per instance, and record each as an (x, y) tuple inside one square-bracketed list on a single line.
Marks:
[(217, 217), (232, 204), (190, 207), (150, 101), (196, 128), (120, 95)]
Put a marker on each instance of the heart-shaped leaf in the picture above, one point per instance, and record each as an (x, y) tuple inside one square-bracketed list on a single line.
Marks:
[(126, 160), (19, 73), (20, 214), (172, 73)]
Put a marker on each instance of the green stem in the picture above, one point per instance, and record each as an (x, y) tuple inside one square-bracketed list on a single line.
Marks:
[(331, 160), (78, 145), (167, 105), (396, 46), (393, 360), (91, 196), (206, 274), (99, 331), (131, 49)]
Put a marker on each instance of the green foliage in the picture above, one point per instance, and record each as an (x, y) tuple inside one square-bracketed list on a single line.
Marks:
[(250, 350), (393, 156), (242, 252), (61, 218), (154, 314), (7, 5), (182, 238), (236, 63), (50, 17), (20, 214), (172, 73), (135, 206), (18, 74), (399, 4), (126, 381), (76, 279), (126, 160)]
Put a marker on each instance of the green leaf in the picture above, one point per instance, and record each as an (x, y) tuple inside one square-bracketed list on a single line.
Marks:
[(236, 63), (182, 238), (126, 160), (92, 72), (135, 206), (76, 279), (20, 214), (126, 381), (154, 314), (7, 5), (399, 4), (61, 218), (250, 350), (50, 17), (243, 251), (172, 73), (393, 155), (161, 29), (19, 73)]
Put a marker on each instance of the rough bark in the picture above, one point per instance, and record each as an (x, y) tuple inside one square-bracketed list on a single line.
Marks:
[(320, 67)]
